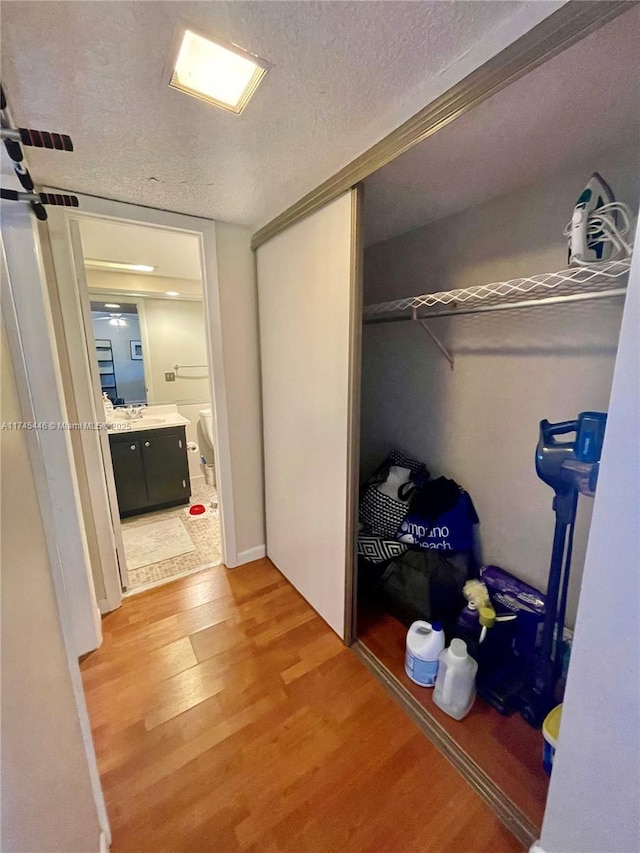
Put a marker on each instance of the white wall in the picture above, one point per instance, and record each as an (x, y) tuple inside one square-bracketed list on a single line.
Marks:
[(47, 801), (175, 335), (594, 798), (479, 423), (241, 353), (129, 371)]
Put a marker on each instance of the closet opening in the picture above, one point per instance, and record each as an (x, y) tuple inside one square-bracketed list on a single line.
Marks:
[(496, 255)]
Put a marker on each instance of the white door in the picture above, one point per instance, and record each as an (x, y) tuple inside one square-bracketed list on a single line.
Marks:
[(27, 312), (104, 500), (310, 304)]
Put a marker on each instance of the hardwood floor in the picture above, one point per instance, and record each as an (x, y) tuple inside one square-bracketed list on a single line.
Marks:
[(227, 716), (508, 749)]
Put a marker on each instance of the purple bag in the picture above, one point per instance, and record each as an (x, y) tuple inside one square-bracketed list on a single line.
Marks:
[(509, 594)]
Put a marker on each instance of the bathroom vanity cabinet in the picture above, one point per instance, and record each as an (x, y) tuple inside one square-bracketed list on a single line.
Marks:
[(150, 469)]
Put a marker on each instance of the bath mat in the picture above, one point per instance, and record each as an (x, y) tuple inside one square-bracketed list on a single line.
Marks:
[(152, 543)]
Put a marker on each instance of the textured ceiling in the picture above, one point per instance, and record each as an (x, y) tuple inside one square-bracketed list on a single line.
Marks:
[(578, 105), (344, 74)]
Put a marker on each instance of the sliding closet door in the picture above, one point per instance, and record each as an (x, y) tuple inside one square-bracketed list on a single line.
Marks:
[(310, 298)]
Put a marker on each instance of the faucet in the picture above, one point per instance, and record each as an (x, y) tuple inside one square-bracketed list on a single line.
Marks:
[(133, 413)]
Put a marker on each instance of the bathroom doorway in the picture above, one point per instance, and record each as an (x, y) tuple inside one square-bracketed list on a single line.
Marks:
[(75, 338), (144, 307)]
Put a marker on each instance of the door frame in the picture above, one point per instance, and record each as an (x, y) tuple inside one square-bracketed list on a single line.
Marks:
[(353, 413), (74, 294)]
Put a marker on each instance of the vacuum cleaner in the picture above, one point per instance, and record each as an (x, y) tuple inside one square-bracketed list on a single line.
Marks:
[(571, 469), (508, 681)]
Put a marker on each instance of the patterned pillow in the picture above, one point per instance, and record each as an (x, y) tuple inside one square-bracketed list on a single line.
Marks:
[(381, 514), (375, 549)]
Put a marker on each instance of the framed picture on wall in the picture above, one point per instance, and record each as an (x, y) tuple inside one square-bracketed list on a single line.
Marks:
[(136, 350)]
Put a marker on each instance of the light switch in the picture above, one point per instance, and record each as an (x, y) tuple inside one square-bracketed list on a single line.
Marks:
[(170, 377)]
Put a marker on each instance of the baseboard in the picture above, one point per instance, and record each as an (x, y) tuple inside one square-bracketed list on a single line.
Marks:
[(103, 606), (535, 848), (251, 554), (197, 480), (104, 842)]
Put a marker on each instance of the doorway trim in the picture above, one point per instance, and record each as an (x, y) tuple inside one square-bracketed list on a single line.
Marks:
[(563, 28), (70, 278)]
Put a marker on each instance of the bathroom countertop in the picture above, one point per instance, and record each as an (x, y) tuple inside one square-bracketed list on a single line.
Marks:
[(159, 417)]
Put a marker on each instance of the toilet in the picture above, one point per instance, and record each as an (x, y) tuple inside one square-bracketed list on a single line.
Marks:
[(206, 422), (206, 425)]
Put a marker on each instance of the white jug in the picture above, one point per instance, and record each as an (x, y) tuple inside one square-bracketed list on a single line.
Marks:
[(455, 688), (424, 644)]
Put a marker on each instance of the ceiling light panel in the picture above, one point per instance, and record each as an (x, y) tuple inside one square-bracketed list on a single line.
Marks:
[(216, 72)]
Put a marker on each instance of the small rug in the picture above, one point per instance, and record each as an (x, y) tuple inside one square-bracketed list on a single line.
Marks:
[(155, 542)]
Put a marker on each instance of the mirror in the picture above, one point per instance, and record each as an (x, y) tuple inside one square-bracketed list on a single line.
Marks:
[(147, 313), (116, 328)]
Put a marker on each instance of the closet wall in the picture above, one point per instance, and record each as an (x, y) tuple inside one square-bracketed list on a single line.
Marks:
[(479, 422)]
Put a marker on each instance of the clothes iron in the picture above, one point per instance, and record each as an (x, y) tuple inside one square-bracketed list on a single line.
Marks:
[(598, 225)]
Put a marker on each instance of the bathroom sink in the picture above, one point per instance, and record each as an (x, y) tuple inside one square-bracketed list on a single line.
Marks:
[(148, 421), (168, 416)]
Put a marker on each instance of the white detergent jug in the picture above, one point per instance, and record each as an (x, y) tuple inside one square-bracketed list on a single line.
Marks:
[(456, 682), (424, 643)]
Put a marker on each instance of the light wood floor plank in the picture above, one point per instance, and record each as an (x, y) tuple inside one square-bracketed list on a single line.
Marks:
[(228, 717)]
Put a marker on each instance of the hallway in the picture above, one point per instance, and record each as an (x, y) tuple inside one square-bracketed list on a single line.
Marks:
[(227, 716)]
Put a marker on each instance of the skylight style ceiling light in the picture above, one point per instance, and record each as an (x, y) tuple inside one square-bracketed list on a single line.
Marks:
[(216, 72), (171, 293), (116, 265), (111, 305)]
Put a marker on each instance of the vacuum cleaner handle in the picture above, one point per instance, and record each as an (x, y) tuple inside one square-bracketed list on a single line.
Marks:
[(548, 431)]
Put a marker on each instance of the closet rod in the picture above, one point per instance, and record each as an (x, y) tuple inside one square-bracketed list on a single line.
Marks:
[(507, 306)]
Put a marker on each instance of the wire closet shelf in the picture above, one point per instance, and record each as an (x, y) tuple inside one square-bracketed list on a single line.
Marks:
[(578, 284)]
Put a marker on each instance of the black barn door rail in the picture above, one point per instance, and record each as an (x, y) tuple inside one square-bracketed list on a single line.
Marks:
[(14, 138)]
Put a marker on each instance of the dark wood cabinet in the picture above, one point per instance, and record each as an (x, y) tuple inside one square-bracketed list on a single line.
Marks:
[(128, 471), (151, 469)]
